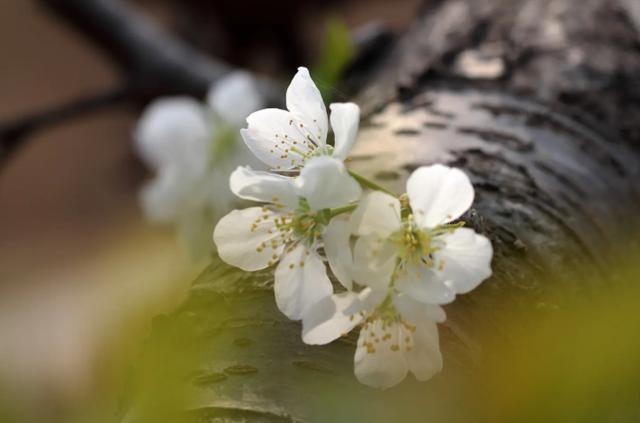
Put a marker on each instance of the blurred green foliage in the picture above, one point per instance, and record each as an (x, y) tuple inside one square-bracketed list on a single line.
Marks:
[(580, 363), (337, 52)]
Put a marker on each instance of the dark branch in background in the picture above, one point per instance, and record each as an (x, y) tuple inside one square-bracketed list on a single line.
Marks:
[(153, 62), (158, 63), (12, 133)]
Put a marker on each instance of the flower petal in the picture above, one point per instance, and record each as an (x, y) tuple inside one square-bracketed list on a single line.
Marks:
[(331, 318), (422, 284), (415, 311), (424, 358), (161, 198), (380, 360), (244, 238), (438, 194), (377, 213), (234, 97), (338, 250), (300, 282), (274, 138), (345, 118), (173, 132), (305, 102), (465, 260), (326, 184), (262, 186), (373, 262)]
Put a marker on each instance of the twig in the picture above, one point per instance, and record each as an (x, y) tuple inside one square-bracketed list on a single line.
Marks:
[(153, 61), (13, 133), (154, 64), (159, 63)]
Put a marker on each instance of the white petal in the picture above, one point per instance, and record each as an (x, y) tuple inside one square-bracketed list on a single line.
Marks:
[(415, 311), (300, 282), (380, 360), (246, 246), (372, 298), (465, 260), (377, 213), (173, 132), (234, 97), (438, 194), (374, 260), (305, 103), (424, 358), (331, 318), (262, 186), (338, 250), (422, 284), (273, 135), (161, 198), (326, 184), (345, 118)]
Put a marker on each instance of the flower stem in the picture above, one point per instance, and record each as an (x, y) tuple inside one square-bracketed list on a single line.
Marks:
[(446, 228), (367, 183), (344, 209)]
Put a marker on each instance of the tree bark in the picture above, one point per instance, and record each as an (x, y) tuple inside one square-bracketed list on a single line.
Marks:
[(534, 100)]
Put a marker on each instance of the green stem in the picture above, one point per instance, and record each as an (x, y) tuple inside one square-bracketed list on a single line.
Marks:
[(344, 209), (366, 183), (446, 228)]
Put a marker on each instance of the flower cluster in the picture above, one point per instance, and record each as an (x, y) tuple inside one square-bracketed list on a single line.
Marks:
[(193, 147), (398, 258)]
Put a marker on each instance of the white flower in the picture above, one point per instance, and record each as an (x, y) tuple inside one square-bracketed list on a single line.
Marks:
[(193, 148), (416, 247), (397, 334), (289, 229), (285, 139)]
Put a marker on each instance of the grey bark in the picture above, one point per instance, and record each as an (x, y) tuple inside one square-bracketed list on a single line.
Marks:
[(535, 100)]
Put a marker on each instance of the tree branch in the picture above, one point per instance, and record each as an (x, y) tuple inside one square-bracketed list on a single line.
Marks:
[(12, 133), (159, 63), (154, 64), (532, 119)]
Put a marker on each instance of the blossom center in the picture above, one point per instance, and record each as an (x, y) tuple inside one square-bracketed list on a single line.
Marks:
[(385, 328), (307, 225), (412, 242), (221, 144), (289, 228)]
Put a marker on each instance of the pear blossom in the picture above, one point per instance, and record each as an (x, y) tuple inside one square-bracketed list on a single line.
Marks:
[(409, 258), (286, 139), (399, 258), (397, 335), (288, 229), (412, 242), (193, 148)]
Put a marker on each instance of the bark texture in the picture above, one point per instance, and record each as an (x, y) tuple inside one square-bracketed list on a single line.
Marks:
[(535, 100)]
